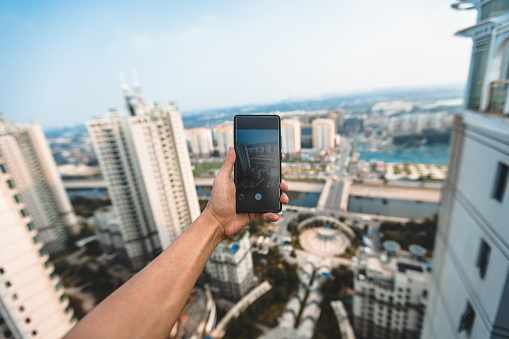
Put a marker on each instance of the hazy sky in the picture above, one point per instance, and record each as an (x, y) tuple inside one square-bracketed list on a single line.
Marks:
[(60, 60)]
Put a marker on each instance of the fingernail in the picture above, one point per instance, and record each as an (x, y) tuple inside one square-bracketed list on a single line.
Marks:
[(230, 150)]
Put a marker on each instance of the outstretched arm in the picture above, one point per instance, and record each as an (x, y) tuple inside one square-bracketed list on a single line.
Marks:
[(148, 305)]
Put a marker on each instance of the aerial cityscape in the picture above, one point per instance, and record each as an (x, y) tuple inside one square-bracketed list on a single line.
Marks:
[(396, 225)]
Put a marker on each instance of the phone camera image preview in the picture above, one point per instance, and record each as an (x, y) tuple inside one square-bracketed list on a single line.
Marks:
[(258, 154)]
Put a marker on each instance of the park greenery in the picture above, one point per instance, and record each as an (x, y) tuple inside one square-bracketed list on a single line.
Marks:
[(339, 286), (205, 168), (420, 233)]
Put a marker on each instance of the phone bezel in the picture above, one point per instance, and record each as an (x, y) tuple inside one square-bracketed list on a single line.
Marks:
[(235, 166)]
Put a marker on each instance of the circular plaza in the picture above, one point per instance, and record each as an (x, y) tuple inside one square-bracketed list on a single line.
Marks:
[(325, 236)]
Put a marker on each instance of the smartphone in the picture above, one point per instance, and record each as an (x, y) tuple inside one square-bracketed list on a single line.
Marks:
[(257, 174)]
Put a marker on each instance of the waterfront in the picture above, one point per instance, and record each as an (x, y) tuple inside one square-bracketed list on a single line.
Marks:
[(303, 199), (393, 207), (437, 154)]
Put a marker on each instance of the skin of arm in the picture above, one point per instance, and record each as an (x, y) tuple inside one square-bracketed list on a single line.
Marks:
[(148, 305)]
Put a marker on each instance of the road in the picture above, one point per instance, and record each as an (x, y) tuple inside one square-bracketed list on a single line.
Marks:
[(339, 173)]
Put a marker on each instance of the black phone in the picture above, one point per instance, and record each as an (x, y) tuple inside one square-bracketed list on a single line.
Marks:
[(257, 174)]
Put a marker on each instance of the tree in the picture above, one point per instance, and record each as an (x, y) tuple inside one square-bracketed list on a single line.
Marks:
[(280, 294)]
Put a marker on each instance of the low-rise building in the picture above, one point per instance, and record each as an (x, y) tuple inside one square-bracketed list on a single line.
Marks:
[(231, 266), (390, 292)]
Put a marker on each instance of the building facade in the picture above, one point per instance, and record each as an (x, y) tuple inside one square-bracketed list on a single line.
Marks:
[(32, 300), (323, 132), (390, 292), (417, 123), (469, 294), (144, 159), (28, 158), (223, 134), (201, 141), (231, 266), (107, 228), (290, 133)]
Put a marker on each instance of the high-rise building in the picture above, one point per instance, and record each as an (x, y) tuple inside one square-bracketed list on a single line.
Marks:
[(144, 158), (223, 134), (28, 158), (469, 293), (32, 300), (231, 266), (201, 141), (323, 132), (390, 292), (290, 133), (416, 123)]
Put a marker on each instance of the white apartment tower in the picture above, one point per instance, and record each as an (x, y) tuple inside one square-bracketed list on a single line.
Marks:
[(323, 131), (28, 158), (390, 292), (144, 158), (469, 293), (32, 300), (201, 141), (231, 266), (290, 134), (223, 134)]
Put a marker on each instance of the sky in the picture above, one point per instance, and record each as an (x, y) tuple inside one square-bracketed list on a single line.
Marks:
[(60, 60)]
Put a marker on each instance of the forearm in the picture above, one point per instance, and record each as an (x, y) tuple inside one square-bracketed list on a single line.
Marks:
[(149, 304)]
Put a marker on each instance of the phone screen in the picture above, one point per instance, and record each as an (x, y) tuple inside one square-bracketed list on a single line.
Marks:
[(257, 163)]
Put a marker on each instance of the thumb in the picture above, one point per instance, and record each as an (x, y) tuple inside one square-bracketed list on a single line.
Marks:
[(225, 172)]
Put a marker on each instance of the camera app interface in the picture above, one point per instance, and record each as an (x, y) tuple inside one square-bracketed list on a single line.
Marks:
[(257, 163)]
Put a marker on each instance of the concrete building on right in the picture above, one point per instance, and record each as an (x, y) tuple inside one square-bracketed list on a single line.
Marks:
[(469, 292)]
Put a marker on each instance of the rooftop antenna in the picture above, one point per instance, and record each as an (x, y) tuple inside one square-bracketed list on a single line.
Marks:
[(137, 89), (127, 96)]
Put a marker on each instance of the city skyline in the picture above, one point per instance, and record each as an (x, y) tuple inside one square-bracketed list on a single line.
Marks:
[(245, 61)]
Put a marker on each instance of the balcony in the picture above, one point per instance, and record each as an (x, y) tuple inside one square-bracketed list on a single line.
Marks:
[(497, 96)]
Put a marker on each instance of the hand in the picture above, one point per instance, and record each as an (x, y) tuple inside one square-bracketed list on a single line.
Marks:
[(222, 201)]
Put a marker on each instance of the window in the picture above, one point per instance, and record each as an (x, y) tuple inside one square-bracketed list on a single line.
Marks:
[(483, 258), (2, 168), (29, 226), (500, 182), (35, 239), (17, 199), (10, 184), (23, 213), (467, 319)]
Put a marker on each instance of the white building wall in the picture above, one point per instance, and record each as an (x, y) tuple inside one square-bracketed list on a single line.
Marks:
[(32, 301), (323, 131), (156, 199), (470, 215), (28, 156), (224, 137), (291, 136)]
